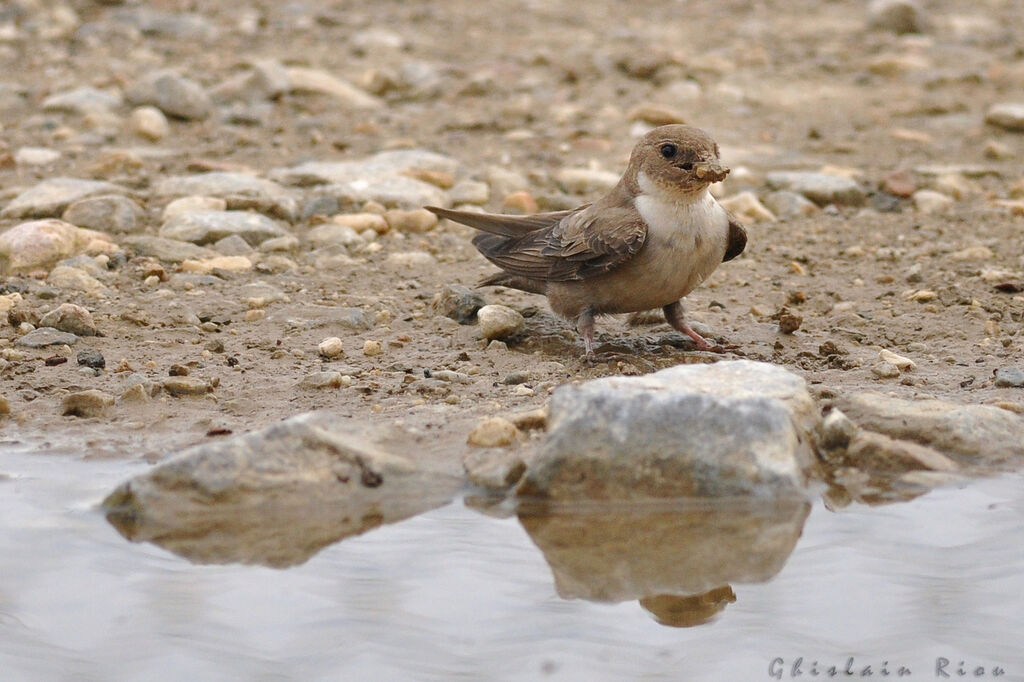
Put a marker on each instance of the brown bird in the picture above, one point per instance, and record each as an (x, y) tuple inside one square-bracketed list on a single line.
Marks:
[(646, 244)]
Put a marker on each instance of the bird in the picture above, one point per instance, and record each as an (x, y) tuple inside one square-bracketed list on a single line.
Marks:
[(646, 244)]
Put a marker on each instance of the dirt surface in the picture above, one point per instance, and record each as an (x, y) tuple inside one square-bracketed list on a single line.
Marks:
[(529, 89)]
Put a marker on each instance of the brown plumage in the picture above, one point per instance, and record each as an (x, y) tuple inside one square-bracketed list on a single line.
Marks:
[(647, 243)]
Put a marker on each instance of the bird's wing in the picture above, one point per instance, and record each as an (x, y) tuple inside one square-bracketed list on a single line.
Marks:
[(737, 239), (503, 225), (587, 242)]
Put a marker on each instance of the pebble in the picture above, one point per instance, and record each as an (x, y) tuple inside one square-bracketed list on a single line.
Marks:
[(330, 234), (35, 156), (789, 322), (998, 151), (318, 380), (901, 363), (899, 183), (70, 318), (788, 205), (178, 386), (973, 253), (414, 221), (898, 16), (955, 185), (494, 469), (361, 222), (149, 122), (495, 432), (233, 245), (193, 203), (239, 190), (45, 336), (930, 201), (331, 347), (1014, 208), (372, 348), (884, 370), (82, 101), (820, 188), (5, 406), (91, 358), (225, 263), (39, 243), (205, 227), (135, 393), (51, 196), (410, 259), (1009, 377), (499, 322), (458, 302), (585, 180), (169, 250), (91, 403), (173, 94), (520, 202), (469, 192), (655, 115), (75, 279), (1009, 116), (748, 208), (107, 213), (301, 79)]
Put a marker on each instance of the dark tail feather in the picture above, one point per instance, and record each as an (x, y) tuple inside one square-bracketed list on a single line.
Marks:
[(504, 279)]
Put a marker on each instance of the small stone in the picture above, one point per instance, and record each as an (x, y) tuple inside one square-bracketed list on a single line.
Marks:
[(319, 380), (437, 178), (1009, 377), (973, 253), (899, 183), (35, 156), (173, 94), (956, 186), (168, 250), (225, 263), (302, 79), (331, 347), (998, 151), (469, 192), (361, 222), (372, 348), (108, 213), (177, 370), (499, 322), (495, 432), (820, 188), (91, 358), (414, 221), (789, 322), (45, 336), (136, 393), (206, 227), (193, 203), (1015, 208), (178, 386), (330, 234), (655, 115), (930, 201), (458, 302), (70, 318), (898, 16), (836, 430), (411, 259), (585, 180), (149, 122), (901, 363), (1009, 116), (520, 202), (5, 406), (748, 208), (789, 205), (494, 469), (82, 101), (51, 196), (884, 370), (92, 403), (233, 245)]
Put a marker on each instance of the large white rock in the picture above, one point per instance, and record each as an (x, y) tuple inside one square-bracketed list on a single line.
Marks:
[(731, 428), (40, 243)]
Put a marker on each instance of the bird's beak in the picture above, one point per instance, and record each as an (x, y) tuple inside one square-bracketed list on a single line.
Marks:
[(710, 171)]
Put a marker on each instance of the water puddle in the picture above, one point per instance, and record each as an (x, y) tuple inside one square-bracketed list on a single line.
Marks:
[(691, 592)]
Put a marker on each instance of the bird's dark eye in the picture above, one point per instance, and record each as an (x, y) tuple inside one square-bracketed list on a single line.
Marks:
[(687, 166), (668, 150)]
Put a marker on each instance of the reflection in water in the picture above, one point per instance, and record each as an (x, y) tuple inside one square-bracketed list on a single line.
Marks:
[(679, 562)]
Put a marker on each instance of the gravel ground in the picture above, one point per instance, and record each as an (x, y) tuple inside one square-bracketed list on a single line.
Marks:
[(254, 170)]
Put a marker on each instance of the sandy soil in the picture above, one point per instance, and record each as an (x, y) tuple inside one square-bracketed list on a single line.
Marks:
[(535, 87)]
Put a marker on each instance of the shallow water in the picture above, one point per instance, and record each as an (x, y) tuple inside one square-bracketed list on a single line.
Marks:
[(454, 594)]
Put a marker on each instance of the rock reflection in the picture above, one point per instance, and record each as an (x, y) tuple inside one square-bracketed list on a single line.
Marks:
[(678, 561)]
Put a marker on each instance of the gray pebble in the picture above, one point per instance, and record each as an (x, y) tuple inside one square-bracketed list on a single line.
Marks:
[(91, 358), (1009, 377), (45, 336)]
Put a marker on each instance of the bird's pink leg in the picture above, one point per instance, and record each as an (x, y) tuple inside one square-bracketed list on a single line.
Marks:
[(674, 316), (585, 327)]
